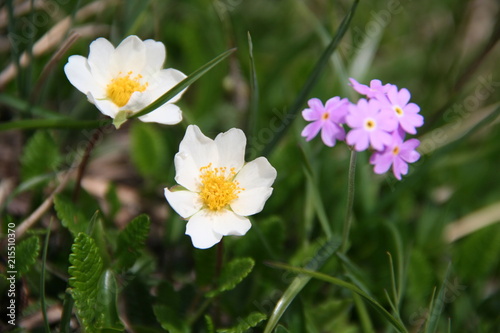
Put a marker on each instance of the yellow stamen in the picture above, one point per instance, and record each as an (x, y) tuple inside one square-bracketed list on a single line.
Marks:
[(370, 124), (395, 150), (122, 87), (218, 187), (398, 110)]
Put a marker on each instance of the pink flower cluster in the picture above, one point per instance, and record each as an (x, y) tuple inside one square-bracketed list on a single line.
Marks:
[(378, 122)]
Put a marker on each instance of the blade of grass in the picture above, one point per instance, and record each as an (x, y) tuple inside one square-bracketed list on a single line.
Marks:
[(42, 281), (323, 254), (16, 53), (254, 95), (438, 305), (182, 85), (333, 280), (350, 201), (364, 317), (311, 81), (67, 312), (318, 205)]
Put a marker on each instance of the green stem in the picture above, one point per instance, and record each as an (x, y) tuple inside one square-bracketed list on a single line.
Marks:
[(350, 201)]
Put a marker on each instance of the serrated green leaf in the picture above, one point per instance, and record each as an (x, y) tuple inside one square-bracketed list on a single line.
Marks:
[(252, 320), (131, 241), (232, 274), (85, 271), (148, 149), (40, 156), (210, 324), (71, 217), (169, 319), (27, 252)]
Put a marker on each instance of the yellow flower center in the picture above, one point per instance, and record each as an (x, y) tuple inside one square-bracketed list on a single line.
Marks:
[(325, 116), (122, 87), (398, 110), (218, 187), (395, 150)]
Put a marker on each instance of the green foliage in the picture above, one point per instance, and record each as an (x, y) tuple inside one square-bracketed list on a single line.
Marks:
[(86, 272), (232, 274), (250, 321), (71, 217), (131, 241), (169, 319), (40, 155), (148, 149), (27, 252)]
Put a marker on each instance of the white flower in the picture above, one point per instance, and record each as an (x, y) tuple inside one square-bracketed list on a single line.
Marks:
[(218, 189), (127, 78)]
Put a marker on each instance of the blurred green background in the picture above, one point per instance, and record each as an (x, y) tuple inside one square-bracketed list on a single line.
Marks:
[(444, 211)]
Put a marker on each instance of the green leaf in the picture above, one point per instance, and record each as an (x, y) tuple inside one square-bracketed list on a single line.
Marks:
[(148, 149), (232, 274), (27, 252), (108, 295), (169, 319), (330, 279), (182, 85), (210, 324), (131, 241), (85, 271), (71, 217), (298, 283), (40, 156), (252, 320), (120, 118)]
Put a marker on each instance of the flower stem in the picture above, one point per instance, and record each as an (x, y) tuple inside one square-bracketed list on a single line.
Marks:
[(350, 201)]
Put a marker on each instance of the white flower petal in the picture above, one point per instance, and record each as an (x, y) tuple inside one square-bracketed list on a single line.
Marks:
[(163, 81), (104, 105), (99, 59), (130, 55), (199, 228), (257, 173), (185, 203), (231, 147), (251, 201), (155, 54), (195, 151), (167, 114), (228, 223), (78, 72)]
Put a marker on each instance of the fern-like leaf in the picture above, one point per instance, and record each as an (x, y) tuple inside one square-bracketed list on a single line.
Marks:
[(252, 320), (40, 155), (26, 253), (232, 274), (71, 218), (131, 241), (86, 270)]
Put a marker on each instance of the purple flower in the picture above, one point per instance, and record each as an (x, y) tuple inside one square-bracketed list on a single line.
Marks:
[(405, 113), (370, 125), (375, 89), (398, 154), (327, 119)]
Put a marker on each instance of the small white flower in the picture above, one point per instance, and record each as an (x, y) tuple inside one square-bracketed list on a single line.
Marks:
[(218, 189), (126, 79)]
